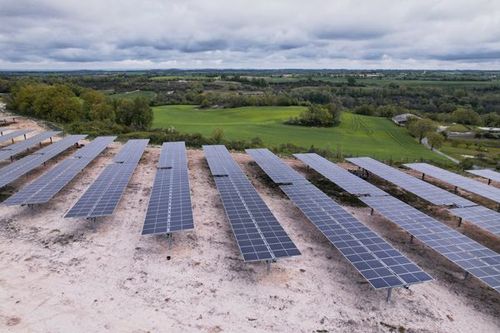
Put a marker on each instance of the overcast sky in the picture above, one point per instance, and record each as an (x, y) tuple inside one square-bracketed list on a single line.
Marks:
[(126, 34)]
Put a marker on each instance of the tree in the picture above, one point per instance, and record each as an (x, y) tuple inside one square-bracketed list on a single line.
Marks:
[(421, 127), (366, 109), (318, 115), (435, 140), (491, 119), (335, 111), (351, 81), (466, 116), (134, 113)]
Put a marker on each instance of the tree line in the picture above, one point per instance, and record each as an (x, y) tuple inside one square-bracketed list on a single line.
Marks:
[(62, 103)]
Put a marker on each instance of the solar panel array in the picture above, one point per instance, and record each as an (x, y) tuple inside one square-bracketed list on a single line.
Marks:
[(274, 167), (471, 256), (13, 171), (258, 234), (377, 261), (12, 135), (169, 207), (19, 147), (3, 129), (482, 217), (325, 168), (454, 179), (102, 197), (49, 184), (486, 173), (427, 191)]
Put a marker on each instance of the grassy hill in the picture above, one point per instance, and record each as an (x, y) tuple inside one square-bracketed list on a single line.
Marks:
[(356, 135)]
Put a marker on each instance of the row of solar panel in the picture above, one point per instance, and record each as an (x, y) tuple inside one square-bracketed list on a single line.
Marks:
[(21, 146), (470, 185), (166, 213), (258, 233), (483, 217), (377, 261), (471, 256)]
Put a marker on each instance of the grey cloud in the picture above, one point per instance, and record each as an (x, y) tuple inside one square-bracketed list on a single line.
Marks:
[(258, 33)]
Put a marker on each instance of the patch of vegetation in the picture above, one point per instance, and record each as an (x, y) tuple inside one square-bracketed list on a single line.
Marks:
[(318, 116), (458, 128), (484, 153)]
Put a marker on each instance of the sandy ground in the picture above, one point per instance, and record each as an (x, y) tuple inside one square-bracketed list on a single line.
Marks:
[(66, 275)]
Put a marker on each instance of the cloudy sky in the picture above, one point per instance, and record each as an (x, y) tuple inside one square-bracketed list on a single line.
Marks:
[(126, 34)]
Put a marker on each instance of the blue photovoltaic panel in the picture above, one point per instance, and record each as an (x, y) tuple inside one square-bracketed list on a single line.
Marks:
[(343, 178), (379, 263), (483, 217), (471, 256), (12, 135), (13, 171), (21, 146), (173, 154), (220, 161), (339, 176), (460, 181), (420, 188), (102, 197), (169, 207), (3, 129), (258, 234), (273, 167), (486, 173), (131, 151), (49, 184)]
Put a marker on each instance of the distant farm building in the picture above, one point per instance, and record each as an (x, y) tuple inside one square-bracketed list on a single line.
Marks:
[(402, 119)]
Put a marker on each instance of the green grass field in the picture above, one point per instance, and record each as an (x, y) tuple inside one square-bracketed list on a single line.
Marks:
[(357, 135)]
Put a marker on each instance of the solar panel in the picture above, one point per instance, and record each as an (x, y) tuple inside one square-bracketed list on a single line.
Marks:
[(258, 234), (483, 217), (471, 256), (13, 171), (169, 207), (12, 135), (131, 151), (377, 261), (102, 197), (422, 189), (339, 176), (220, 161), (19, 147), (273, 167), (49, 184), (456, 180), (486, 173), (3, 129)]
